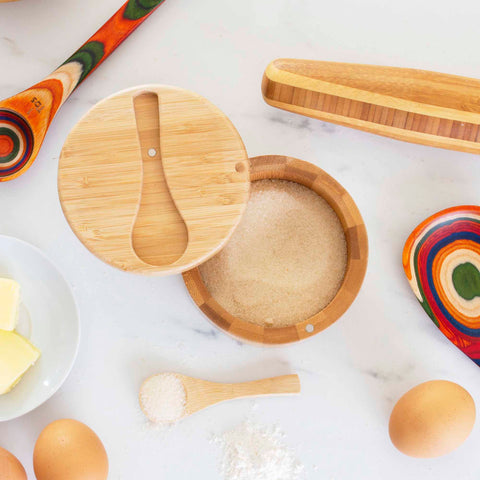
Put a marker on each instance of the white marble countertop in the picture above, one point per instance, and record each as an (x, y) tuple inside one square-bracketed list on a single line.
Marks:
[(134, 326)]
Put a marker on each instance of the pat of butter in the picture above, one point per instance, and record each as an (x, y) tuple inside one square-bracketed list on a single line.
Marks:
[(9, 303), (17, 355)]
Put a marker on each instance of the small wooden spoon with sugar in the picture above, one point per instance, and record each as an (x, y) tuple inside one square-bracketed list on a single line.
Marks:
[(169, 397)]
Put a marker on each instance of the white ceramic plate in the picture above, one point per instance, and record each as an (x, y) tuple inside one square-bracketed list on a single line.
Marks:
[(48, 318)]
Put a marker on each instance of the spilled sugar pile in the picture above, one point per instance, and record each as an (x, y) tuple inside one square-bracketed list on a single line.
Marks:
[(256, 452)]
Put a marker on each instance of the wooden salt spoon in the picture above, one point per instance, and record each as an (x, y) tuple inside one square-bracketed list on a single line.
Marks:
[(26, 117), (441, 259), (201, 394), (416, 106)]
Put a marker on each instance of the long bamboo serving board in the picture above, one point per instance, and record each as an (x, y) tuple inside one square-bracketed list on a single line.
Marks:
[(417, 106), (154, 180)]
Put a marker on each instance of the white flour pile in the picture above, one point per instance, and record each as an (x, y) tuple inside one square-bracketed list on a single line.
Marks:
[(163, 398), (256, 452)]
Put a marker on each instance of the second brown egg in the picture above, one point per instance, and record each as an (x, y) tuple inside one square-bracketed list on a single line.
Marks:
[(69, 450)]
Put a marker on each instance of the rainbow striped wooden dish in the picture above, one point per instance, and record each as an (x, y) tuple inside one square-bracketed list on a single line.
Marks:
[(442, 261)]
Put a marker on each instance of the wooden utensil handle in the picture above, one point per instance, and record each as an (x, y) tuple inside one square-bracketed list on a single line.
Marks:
[(130, 16), (41, 102), (31, 112), (63, 81), (286, 384), (417, 106)]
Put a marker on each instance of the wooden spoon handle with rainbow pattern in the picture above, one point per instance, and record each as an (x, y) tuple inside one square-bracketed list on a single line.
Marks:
[(26, 117)]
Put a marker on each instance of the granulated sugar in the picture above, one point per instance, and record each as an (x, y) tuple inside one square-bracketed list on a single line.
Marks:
[(285, 261), (256, 452), (163, 398)]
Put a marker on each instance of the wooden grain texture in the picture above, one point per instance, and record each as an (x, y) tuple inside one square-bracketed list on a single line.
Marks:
[(26, 117), (154, 215), (441, 259), (417, 106), (157, 216), (287, 168), (201, 394)]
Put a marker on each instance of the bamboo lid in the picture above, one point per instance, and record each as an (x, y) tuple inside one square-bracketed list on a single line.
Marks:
[(154, 180)]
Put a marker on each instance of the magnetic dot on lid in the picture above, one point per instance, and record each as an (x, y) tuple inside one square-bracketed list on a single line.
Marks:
[(432, 419)]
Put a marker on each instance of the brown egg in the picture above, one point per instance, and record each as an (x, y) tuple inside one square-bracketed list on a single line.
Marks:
[(432, 419), (10, 467), (69, 450)]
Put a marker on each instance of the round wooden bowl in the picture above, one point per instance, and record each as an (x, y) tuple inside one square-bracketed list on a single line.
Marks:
[(287, 168)]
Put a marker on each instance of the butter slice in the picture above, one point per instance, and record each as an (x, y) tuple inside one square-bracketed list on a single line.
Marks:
[(17, 355), (9, 303)]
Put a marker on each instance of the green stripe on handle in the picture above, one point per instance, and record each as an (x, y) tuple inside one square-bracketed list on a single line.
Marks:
[(137, 9), (132, 14)]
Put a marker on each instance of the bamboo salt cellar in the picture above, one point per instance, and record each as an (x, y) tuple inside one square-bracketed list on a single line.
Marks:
[(287, 168), (201, 394)]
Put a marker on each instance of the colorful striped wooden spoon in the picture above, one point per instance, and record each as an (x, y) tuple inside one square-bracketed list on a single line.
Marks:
[(442, 262), (26, 117)]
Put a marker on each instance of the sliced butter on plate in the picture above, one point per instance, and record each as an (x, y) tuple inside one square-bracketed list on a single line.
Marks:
[(17, 355), (9, 303)]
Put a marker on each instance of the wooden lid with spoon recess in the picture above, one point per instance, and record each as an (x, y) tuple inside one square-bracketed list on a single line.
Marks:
[(154, 180)]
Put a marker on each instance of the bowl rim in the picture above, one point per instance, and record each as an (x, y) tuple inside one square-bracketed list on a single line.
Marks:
[(295, 170), (73, 358)]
